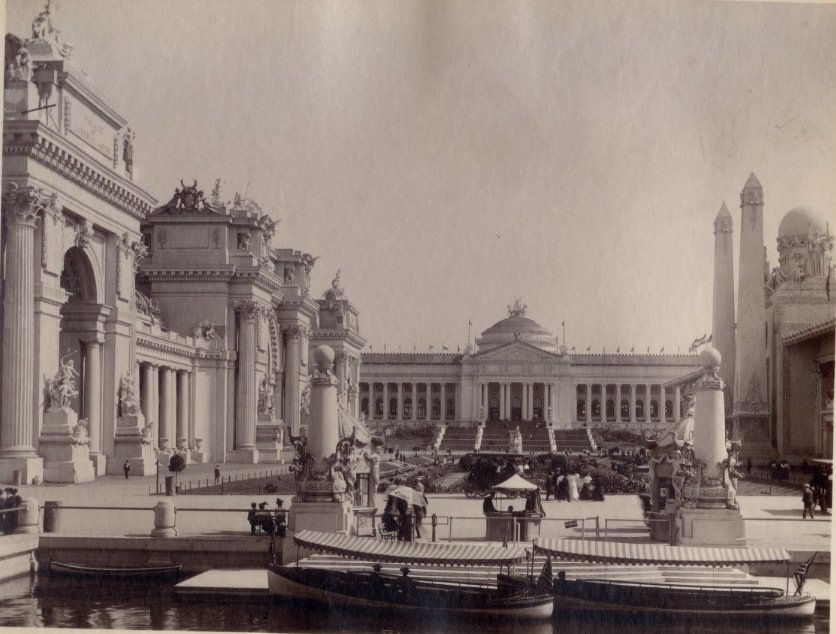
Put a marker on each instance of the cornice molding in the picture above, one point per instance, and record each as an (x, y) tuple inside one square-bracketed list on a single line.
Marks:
[(46, 147)]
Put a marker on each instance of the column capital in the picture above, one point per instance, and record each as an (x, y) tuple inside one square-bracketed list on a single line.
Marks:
[(249, 309), (96, 340), (23, 204), (293, 331)]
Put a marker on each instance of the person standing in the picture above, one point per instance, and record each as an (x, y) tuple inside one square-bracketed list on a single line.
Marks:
[(419, 510), (808, 500), (217, 474), (127, 469)]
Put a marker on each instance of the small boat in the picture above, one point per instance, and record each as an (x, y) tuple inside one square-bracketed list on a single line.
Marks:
[(371, 588), (126, 573), (667, 599)]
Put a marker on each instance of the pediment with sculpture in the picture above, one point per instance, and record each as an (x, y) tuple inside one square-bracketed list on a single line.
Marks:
[(515, 351)]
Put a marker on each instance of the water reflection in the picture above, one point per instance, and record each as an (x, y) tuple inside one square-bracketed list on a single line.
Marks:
[(46, 602)]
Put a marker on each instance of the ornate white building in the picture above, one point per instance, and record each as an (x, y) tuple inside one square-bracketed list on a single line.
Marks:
[(174, 327), (518, 372)]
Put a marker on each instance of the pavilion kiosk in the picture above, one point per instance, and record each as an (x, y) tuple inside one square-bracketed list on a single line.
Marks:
[(522, 524)]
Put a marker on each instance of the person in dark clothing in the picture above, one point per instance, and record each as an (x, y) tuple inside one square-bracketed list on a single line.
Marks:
[(127, 469), (389, 521), (487, 504), (251, 517), (808, 499), (217, 474)]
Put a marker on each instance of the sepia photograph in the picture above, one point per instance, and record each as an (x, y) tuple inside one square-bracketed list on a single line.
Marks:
[(417, 316)]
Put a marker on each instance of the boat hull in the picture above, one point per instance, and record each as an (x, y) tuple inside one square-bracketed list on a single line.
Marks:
[(286, 582), (713, 603), (79, 570)]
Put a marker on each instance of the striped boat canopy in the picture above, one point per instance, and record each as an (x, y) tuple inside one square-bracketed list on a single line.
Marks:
[(432, 553), (624, 553)]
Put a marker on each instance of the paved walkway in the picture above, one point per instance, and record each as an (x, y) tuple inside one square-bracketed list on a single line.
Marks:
[(771, 520)]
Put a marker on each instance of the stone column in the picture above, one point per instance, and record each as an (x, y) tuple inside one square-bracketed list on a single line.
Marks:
[(662, 404), (677, 403), (154, 400), (588, 417), (633, 403), (618, 403), (17, 452), (400, 401), (386, 400), (167, 412), (502, 400), (648, 409), (246, 402), (93, 394), (709, 414), (443, 412), (414, 396), (428, 411), (183, 409), (145, 390), (339, 364), (292, 396), (323, 430)]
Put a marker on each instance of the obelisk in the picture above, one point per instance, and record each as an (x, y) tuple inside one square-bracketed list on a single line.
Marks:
[(722, 323), (750, 414)]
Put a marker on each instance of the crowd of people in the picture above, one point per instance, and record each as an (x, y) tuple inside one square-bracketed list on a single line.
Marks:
[(405, 519)]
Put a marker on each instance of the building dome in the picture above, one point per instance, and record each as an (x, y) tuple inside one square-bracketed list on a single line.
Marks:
[(801, 221), (516, 327)]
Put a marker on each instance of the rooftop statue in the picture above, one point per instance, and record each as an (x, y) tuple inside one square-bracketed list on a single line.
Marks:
[(518, 310), (188, 199)]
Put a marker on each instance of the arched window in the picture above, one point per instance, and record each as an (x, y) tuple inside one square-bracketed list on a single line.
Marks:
[(378, 407), (668, 409), (610, 409), (407, 408), (393, 407), (422, 408), (76, 276), (581, 408), (625, 409)]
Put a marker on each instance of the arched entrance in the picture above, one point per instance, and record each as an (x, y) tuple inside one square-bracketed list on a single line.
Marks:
[(81, 340)]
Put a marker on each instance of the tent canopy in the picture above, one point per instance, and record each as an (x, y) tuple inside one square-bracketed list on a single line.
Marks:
[(516, 483), (659, 554), (428, 553)]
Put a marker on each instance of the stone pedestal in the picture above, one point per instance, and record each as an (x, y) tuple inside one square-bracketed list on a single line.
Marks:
[(29, 469), (128, 445), (66, 459), (99, 461), (328, 517), (268, 440), (710, 527)]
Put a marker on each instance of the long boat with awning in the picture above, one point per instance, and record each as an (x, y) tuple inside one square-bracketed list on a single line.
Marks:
[(371, 588), (618, 596)]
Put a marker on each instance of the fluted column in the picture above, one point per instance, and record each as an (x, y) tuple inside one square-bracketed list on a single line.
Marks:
[(93, 393), (247, 389), (632, 402), (145, 390), (414, 395), (662, 404), (618, 402), (21, 207), (182, 408), (386, 400), (167, 395), (502, 400), (428, 409), (292, 396), (648, 403)]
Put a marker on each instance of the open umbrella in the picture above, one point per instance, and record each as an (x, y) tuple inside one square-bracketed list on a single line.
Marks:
[(409, 495)]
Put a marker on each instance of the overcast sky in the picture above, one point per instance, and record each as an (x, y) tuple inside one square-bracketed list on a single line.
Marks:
[(451, 156)]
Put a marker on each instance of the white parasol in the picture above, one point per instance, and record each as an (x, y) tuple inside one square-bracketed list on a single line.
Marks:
[(516, 484), (408, 495)]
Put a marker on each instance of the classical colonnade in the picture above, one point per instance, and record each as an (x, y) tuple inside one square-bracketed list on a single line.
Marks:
[(407, 408), (588, 393), (526, 391), (165, 400)]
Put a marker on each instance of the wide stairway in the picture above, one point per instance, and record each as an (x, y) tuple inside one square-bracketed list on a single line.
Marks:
[(495, 438), (534, 438), (459, 439), (575, 440)]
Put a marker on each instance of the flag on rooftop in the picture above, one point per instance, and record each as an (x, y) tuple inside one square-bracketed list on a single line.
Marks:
[(445, 348), (697, 343)]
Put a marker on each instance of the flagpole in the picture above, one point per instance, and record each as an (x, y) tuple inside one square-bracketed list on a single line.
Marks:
[(563, 326)]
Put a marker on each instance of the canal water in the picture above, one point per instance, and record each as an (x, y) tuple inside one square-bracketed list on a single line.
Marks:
[(47, 602)]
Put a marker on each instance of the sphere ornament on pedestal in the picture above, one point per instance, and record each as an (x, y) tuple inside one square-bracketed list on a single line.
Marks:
[(710, 358), (324, 359)]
